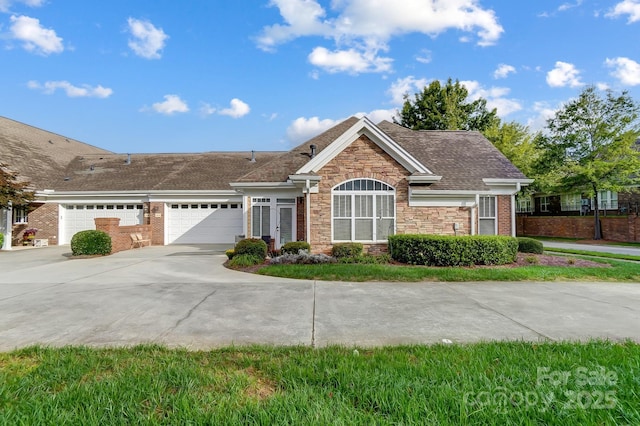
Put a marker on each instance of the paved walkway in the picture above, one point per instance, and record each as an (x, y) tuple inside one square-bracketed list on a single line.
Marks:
[(604, 248), (183, 296)]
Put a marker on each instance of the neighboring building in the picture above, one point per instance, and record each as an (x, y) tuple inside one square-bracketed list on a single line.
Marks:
[(355, 182), (573, 204)]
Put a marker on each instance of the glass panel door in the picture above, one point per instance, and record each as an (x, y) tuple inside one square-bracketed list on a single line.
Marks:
[(284, 230)]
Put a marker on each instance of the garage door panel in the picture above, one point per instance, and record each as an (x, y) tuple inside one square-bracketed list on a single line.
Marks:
[(82, 217), (197, 225)]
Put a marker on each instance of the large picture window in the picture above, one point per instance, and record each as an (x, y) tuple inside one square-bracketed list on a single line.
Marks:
[(363, 210)]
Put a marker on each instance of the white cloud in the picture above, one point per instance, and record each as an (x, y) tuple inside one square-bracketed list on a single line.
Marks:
[(303, 128), (626, 7), (171, 105), (405, 86), (34, 37), (207, 109), (564, 74), (5, 5), (424, 57), (379, 115), (496, 97), (503, 71), (362, 28), (147, 41), (350, 61), (83, 91), (626, 70), (237, 109), (566, 6), (543, 113)]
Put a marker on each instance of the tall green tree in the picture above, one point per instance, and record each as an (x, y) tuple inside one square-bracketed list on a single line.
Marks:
[(517, 143), (445, 107), (13, 191), (590, 146)]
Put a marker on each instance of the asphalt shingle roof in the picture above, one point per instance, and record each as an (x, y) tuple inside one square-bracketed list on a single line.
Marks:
[(37, 155)]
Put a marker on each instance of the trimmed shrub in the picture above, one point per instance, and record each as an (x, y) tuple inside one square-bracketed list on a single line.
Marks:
[(252, 246), (294, 247), (346, 250), (230, 253), (244, 260), (441, 250), (529, 245), (1, 240), (90, 243)]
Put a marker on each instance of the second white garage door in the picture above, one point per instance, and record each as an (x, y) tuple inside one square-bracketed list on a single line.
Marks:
[(203, 223)]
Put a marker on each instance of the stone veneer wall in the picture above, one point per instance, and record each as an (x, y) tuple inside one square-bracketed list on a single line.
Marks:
[(43, 217), (364, 159)]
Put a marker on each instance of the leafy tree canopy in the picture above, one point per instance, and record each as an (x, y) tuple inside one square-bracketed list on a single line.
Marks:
[(445, 107), (13, 191), (591, 145), (516, 142)]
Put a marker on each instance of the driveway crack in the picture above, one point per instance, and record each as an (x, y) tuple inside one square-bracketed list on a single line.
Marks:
[(188, 314)]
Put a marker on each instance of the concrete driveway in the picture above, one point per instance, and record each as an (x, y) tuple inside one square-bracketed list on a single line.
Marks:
[(183, 296)]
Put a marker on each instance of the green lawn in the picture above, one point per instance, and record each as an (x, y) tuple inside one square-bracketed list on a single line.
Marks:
[(489, 383), (617, 271)]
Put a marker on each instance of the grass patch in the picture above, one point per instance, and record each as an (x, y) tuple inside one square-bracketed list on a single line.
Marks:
[(488, 383), (594, 253), (619, 271)]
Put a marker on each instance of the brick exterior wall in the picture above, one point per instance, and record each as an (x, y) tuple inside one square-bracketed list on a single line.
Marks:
[(155, 219), (504, 215), (301, 224), (364, 159), (121, 235), (43, 217), (618, 228)]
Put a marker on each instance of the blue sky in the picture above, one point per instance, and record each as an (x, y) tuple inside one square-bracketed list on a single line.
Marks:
[(205, 75)]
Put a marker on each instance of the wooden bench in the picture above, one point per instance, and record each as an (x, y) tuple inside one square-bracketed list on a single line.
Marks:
[(138, 241)]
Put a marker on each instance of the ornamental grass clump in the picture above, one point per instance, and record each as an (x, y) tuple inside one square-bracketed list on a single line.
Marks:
[(90, 243)]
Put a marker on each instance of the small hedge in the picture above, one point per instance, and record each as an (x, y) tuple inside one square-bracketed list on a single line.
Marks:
[(529, 245), (441, 250), (294, 247), (89, 243), (244, 260), (1, 240), (251, 246), (346, 250)]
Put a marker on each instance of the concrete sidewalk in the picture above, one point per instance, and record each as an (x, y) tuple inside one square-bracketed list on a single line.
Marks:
[(183, 296), (603, 248)]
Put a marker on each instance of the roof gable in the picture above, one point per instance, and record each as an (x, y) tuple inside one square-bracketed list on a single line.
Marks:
[(364, 127)]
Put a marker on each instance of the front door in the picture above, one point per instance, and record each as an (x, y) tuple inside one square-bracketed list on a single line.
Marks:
[(285, 225)]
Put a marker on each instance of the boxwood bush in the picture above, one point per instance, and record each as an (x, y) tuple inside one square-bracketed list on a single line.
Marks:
[(346, 250), (90, 243), (1, 240), (529, 245), (294, 247), (442, 250), (252, 246)]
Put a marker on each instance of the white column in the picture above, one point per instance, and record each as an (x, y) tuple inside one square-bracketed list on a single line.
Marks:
[(513, 215), (6, 245)]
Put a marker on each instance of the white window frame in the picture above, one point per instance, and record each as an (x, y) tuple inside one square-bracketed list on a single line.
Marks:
[(264, 206), (544, 204), (490, 202), (607, 200), (524, 204), (20, 215), (570, 202), (373, 189)]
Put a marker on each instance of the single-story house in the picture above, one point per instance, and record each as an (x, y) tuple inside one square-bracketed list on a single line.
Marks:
[(357, 181)]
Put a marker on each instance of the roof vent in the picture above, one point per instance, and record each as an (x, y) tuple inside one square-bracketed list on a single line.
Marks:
[(67, 178), (253, 156), (91, 167), (313, 150), (50, 141), (128, 160)]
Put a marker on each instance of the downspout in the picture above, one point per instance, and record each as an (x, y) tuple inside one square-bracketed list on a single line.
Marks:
[(513, 210), (8, 231), (308, 211), (473, 215)]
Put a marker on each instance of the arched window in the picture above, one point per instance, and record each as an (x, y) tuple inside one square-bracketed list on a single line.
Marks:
[(363, 210)]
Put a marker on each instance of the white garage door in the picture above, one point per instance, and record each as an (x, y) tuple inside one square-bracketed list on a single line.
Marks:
[(204, 223), (80, 217)]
